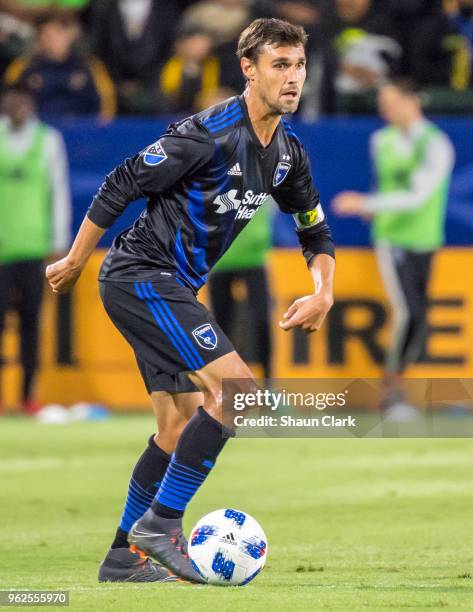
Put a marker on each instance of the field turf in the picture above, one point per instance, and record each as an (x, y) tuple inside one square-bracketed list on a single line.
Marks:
[(352, 524)]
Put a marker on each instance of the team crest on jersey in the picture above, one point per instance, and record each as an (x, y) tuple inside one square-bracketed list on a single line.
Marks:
[(205, 336), (280, 173), (155, 154)]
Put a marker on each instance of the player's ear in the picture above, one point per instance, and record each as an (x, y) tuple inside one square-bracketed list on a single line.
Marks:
[(248, 68)]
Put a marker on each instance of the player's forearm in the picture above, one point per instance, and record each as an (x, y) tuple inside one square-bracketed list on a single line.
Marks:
[(117, 191), (396, 201), (85, 243), (316, 241), (322, 268)]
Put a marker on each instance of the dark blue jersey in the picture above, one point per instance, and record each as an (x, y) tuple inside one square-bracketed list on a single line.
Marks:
[(204, 179)]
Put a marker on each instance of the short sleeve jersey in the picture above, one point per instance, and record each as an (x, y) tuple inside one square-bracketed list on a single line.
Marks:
[(204, 179)]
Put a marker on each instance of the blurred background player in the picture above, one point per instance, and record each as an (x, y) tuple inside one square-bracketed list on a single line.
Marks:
[(35, 212), (413, 161), (240, 278)]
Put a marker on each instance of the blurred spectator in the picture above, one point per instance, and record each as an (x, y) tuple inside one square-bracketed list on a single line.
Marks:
[(134, 38), (437, 53), (241, 276), (359, 48), (35, 211), (23, 6), (306, 13), (15, 35), (224, 20), (191, 74), (30, 10), (17, 20), (460, 13), (300, 12), (66, 82)]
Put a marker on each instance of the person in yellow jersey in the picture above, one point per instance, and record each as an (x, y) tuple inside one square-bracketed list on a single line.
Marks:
[(413, 161), (35, 211)]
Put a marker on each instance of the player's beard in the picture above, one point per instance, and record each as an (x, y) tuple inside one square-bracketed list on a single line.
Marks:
[(278, 108)]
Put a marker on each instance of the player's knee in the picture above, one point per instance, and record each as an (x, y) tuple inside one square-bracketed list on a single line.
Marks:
[(219, 403), (233, 370)]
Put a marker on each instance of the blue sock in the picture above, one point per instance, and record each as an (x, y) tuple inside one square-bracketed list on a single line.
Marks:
[(197, 450), (144, 483)]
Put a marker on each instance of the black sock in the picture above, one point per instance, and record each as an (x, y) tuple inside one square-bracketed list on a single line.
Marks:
[(197, 450), (145, 481)]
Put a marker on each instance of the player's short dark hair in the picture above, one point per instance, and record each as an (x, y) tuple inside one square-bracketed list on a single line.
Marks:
[(18, 89), (406, 85), (269, 31), (62, 17)]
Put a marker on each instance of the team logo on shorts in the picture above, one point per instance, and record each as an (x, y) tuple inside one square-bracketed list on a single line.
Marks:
[(280, 173), (154, 154), (205, 336)]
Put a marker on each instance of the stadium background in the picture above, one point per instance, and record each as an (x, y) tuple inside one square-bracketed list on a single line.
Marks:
[(85, 359), (81, 353)]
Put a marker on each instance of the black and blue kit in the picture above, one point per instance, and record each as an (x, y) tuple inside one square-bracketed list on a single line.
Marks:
[(204, 179)]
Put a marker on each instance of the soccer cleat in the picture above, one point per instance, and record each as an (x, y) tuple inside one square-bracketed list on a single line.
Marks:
[(163, 540), (123, 565)]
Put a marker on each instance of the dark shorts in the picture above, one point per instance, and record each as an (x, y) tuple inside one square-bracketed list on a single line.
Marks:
[(170, 332)]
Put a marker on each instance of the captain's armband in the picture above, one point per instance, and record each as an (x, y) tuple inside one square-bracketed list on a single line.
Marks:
[(309, 218)]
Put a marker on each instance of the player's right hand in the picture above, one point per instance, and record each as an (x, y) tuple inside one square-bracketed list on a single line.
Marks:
[(62, 275)]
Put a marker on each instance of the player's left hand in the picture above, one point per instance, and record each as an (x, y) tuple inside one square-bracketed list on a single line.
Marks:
[(349, 203), (307, 312)]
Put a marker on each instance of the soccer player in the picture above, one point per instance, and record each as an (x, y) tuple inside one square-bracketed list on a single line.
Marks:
[(413, 161), (149, 279)]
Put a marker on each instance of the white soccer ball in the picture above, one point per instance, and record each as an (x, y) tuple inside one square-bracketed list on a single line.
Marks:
[(228, 547)]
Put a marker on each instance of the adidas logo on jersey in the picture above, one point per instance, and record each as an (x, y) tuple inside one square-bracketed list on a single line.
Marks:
[(235, 170), (229, 539)]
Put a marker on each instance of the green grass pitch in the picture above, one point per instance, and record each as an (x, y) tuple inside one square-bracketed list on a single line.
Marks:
[(352, 524)]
